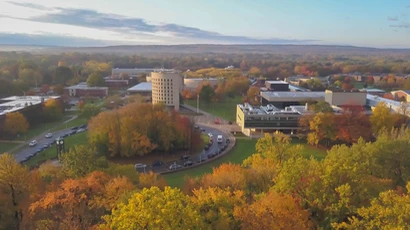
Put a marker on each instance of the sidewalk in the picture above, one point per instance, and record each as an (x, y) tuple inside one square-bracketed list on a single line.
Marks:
[(40, 135)]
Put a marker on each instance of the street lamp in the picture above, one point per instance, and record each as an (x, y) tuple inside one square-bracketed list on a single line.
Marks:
[(59, 146), (197, 103)]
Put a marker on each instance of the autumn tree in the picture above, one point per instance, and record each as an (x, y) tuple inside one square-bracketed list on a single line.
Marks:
[(147, 180), (286, 214), (52, 109), (95, 79), (14, 191), (322, 128), (155, 209), (255, 71), (381, 118), (89, 111), (15, 123), (113, 102), (353, 124), (217, 206), (79, 203), (321, 106), (390, 210), (253, 95), (226, 176)]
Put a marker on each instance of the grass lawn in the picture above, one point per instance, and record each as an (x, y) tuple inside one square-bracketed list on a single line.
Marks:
[(50, 153), (358, 85), (242, 150), (225, 109), (5, 147), (75, 122)]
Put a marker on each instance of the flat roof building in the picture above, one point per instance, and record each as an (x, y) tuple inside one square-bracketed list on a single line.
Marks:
[(17, 103), (143, 88), (134, 72), (277, 86), (83, 90), (339, 97), (283, 99)]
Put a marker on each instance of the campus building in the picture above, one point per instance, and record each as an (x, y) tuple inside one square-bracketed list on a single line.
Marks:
[(134, 72), (143, 88), (166, 88), (83, 90), (256, 120), (20, 103), (339, 97), (284, 99)]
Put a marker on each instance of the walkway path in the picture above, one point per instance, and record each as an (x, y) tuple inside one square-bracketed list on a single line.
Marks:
[(22, 144)]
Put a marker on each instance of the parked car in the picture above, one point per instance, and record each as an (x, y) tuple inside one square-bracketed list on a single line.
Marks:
[(203, 130), (80, 130), (32, 143), (48, 135), (83, 126), (185, 157), (206, 147), (74, 128), (46, 146), (230, 122), (140, 166), (211, 155), (174, 166), (157, 163), (188, 163), (217, 122)]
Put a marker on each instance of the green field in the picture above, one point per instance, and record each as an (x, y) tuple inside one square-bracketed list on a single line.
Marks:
[(242, 150), (5, 147), (51, 153), (225, 109), (75, 122)]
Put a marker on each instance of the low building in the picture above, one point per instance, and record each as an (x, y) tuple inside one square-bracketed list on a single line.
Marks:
[(134, 72), (194, 83), (284, 99), (83, 90), (143, 88), (256, 120), (401, 95), (116, 84), (18, 103), (373, 91), (339, 97), (277, 86)]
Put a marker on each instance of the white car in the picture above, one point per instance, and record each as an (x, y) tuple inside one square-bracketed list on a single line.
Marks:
[(48, 135), (80, 130), (140, 166), (210, 135), (174, 166), (32, 143)]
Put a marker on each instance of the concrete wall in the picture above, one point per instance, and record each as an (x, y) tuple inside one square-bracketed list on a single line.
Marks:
[(345, 98)]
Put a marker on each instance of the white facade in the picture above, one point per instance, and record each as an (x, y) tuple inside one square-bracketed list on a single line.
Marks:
[(166, 88)]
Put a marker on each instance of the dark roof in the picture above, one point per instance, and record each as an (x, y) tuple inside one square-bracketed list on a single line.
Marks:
[(406, 91)]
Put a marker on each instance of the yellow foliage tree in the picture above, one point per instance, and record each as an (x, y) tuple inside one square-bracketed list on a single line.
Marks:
[(381, 118), (155, 209), (217, 205), (15, 123), (226, 176)]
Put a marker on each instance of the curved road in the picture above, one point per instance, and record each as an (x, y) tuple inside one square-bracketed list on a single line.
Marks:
[(196, 158), (24, 153)]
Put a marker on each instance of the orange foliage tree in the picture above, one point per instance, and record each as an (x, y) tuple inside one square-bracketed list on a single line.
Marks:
[(273, 211), (78, 204), (226, 176)]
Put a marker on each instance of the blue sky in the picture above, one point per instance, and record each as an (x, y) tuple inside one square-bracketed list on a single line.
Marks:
[(376, 23)]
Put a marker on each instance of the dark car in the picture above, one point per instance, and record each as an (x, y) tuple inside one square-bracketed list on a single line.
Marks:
[(228, 141), (202, 129), (157, 163), (211, 155), (188, 163), (185, 157), (74, 128), (83, 126), (230, 122), (206, 147)]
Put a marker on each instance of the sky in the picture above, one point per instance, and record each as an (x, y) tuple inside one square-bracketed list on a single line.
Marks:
[(365, 23)]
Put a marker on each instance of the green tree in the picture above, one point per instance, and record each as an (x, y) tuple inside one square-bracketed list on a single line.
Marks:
[(155, 209), (381, 118), (321, 106), (81, 160), (95, 79), (62, 74), (206, 94), (90, 110), (52, 110)]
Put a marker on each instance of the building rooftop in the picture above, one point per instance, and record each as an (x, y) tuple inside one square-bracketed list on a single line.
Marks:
[(141, 87), (15, 103), (292, 96), (372, 90), (276, 82), (83, 85), (272, 110), (344, 91), (298, 89)]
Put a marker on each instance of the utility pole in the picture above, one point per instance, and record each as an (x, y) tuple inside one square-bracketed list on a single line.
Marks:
[(197, 103)]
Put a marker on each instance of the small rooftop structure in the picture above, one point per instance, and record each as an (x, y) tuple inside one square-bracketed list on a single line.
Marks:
[(141, 87), (272, 110), (83, 85), (16, 103), (277, 82), (292, 96)]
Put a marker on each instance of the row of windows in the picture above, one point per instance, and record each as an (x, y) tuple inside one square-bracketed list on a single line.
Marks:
[(161, 80), (272, 118)]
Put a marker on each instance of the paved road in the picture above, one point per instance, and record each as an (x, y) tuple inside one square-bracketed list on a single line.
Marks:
[(202, 156), (24, 153)]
